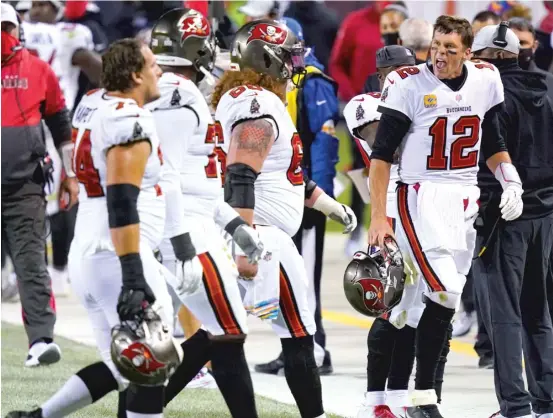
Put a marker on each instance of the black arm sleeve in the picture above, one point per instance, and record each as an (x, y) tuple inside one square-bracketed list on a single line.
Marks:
[(310, 186), (59, 125), (391, 131), (492, 139)]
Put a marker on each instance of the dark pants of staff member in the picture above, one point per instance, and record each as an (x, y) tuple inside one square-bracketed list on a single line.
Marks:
[(24, 232), (510, 281)]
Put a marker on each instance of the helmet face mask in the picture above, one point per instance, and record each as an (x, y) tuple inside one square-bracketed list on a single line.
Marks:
[(374, 282), (268, 47)]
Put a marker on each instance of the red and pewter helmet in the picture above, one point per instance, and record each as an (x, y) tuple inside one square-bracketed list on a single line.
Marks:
[(373, 283), (145, 353), (268, 47), (183, 37)]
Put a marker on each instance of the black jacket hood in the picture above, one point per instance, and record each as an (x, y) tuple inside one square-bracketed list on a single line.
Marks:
[(527, 86)]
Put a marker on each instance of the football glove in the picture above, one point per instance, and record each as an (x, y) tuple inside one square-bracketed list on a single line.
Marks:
[(336, 211), (189, 276), (133, 301), (511, 202), (346, 217), (511, 199), (248, 240)]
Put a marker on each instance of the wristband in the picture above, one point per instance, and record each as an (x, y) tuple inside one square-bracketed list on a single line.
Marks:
[(183, 247), (66, 153), (326, 204), (133, 272), (507, 174), (235, 223)]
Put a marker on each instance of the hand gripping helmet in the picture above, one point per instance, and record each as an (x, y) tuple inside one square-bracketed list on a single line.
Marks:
[(268, 47), (145, 353), (184, 38), (373, 283)]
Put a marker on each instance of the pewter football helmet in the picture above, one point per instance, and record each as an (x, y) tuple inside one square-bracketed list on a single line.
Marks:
[(268, 47), (145, 353), (374, 282)]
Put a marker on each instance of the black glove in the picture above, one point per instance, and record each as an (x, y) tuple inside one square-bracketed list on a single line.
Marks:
[(132, 302), (135, 294)]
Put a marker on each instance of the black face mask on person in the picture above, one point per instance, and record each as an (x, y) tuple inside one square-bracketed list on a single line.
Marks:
[(525, 57), (390, 38)]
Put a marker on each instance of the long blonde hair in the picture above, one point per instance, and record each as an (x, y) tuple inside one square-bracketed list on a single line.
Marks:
[(233, 79)]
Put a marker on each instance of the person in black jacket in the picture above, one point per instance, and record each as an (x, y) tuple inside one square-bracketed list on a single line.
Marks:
[(511, 272), (526, 34)]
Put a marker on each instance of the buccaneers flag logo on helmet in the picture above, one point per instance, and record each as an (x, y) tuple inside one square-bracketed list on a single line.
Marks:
[(195, 25), (142, 358), (267, 33)]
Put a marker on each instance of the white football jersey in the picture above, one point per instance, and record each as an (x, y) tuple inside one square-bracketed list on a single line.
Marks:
[(99, 123), (360, 111), (56, 44), (279, 188), (191, 142), (443, 142)]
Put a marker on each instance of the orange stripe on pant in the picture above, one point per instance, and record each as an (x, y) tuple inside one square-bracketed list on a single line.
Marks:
[(427, 272), (217, 297), (289, 307), (364, 155)]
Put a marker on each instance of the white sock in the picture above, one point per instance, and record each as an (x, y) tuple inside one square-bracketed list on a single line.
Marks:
[(321, 416), (397, 398), (138, 415), (73, 396), (374, 398)]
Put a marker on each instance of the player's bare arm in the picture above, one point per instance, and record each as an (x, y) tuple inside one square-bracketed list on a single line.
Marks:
[(125, 169), (368, 133), (90, 63), (250, 144), (392, 128)]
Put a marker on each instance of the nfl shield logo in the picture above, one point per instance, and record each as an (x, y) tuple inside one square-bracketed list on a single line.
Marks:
[(458, 98)]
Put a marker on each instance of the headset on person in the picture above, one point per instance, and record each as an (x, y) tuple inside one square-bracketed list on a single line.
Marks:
[(501, 39)]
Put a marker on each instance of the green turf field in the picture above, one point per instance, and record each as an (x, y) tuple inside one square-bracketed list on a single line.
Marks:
[(24, 388)]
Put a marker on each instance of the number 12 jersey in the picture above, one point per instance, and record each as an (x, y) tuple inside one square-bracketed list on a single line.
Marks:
[(443, 141)]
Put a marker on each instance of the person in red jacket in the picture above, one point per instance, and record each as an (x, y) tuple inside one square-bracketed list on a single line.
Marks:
[(353, 54), (31, 94)]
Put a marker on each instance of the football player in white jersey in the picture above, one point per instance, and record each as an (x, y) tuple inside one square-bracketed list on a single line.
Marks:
[(69, 49), (120, 221), (264, 182), (206, 276), (439, 115), (391, 340)]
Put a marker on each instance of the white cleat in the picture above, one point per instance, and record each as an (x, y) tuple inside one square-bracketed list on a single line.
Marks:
[(42, 353), (203, 380), (463, 324)]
